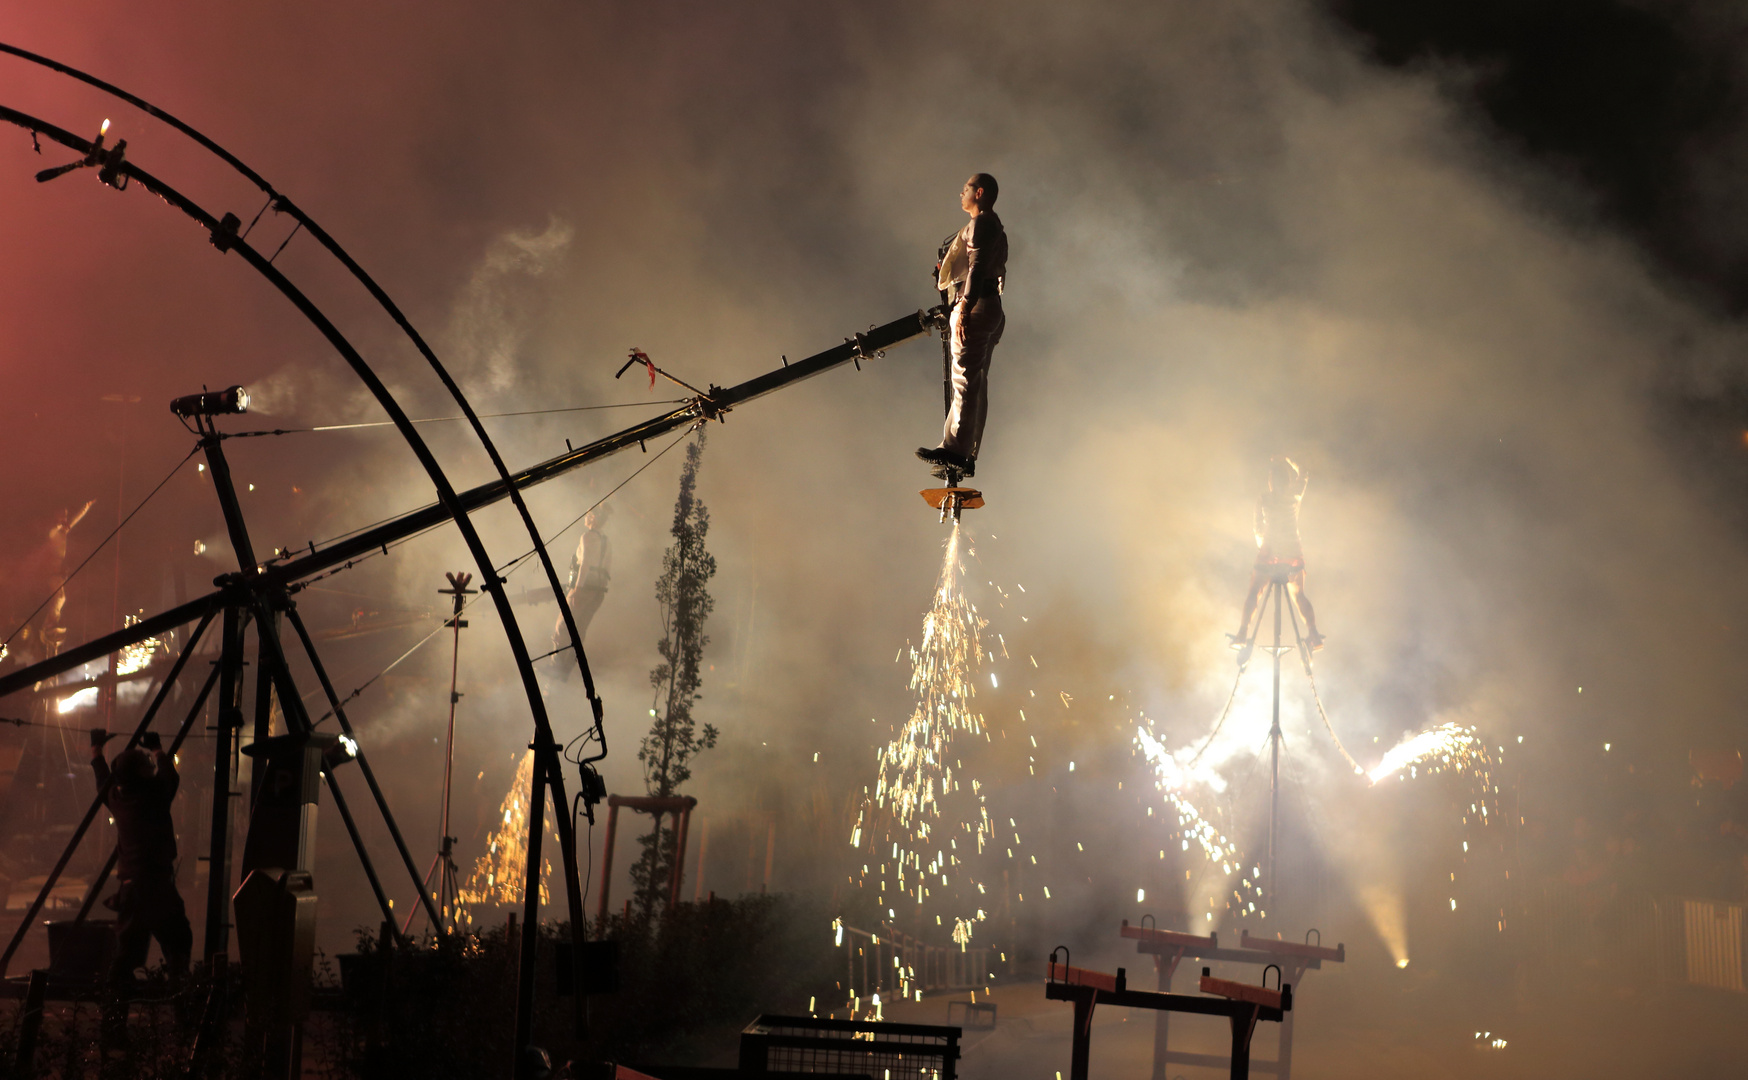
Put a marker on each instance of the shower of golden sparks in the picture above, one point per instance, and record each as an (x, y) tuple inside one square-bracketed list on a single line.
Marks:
[(915, 770), (497, 875), (1173, 779), (1448, 747)]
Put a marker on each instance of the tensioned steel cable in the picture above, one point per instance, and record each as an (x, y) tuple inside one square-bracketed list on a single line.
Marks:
[(447, 419), (508, 568)]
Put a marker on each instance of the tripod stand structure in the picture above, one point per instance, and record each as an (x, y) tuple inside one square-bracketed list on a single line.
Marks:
[(448, 888), (1279, 596)]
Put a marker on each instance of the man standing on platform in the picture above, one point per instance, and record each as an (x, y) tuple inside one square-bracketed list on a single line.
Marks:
[(970, 276)]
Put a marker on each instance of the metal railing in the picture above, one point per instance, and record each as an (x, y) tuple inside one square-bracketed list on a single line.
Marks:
[(892, 962)]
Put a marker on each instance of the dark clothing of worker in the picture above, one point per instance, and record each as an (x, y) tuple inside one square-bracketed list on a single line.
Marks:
[(148, 904), (972, 274)]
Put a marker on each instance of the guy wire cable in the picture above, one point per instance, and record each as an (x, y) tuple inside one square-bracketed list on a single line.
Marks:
[(508, 568), (447, 419)]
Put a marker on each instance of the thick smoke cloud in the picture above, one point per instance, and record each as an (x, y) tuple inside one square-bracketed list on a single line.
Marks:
[(1233, 236)]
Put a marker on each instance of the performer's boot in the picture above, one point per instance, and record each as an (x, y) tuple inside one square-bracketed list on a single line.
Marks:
[(1244, 647)]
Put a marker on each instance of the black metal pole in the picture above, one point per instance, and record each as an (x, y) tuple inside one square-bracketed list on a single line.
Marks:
[(1280, 591), (388, 818), (224, 782)]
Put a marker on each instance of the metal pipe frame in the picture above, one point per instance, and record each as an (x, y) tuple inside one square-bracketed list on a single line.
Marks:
[(711, 405)]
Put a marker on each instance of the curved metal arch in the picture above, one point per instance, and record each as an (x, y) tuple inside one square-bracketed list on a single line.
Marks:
[(282, 204), (490, 581)]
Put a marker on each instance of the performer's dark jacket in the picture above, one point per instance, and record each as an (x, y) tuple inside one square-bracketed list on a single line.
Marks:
[(145, 834)]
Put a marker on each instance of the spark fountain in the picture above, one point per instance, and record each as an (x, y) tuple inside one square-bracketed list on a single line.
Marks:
[(924, 801), (497, 875)]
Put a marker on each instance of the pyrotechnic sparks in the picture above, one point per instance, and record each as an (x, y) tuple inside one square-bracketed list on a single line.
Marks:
[(497, 875), (138, 656), (1172, 782), (1448, 747), (914, 768)]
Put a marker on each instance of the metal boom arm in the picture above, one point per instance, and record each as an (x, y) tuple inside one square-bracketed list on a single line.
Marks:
[(719, 401)]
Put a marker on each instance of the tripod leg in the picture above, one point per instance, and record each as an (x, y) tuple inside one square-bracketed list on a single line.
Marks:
[(388, 817), (358, 846), (436, 863)]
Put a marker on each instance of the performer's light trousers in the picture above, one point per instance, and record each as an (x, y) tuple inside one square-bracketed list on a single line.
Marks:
[(974, 334)]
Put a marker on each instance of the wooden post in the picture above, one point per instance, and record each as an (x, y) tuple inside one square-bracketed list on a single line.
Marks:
[(1284, 1054), (703, 843), (1082, 1054), (684, 824), (607, 866), (1242, 1028)]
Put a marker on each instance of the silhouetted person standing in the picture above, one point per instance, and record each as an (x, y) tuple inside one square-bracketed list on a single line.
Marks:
[(971, 274), (148, 905)]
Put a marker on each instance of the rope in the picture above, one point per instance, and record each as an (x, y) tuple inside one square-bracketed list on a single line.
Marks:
[(66, 580)]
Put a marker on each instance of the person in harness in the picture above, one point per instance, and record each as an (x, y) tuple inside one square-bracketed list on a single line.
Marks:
[(970, 275), (591, 571)]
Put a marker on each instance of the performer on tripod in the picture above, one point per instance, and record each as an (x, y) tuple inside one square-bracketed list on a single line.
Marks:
[(591, 568), (1278, 554), (970, 276), (148, 905)]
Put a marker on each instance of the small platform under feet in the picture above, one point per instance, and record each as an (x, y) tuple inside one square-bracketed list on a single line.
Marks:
[(962, 498)]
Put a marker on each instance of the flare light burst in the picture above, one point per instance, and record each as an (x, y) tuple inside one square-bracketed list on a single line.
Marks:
[(1173, 780), (497, 875), (1450, 747)]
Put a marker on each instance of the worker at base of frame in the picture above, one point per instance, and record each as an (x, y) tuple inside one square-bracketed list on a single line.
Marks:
[(971, 274), (591, 570), (148, 904), (1278, 554)]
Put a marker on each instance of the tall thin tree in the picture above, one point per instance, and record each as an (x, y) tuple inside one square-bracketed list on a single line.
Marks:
[(675, 737)]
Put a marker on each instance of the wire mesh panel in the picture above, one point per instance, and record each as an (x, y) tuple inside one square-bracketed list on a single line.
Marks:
[(873, 1049)]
